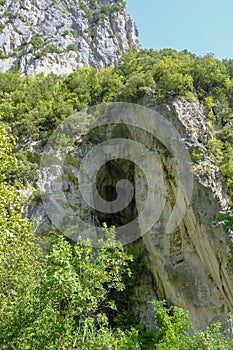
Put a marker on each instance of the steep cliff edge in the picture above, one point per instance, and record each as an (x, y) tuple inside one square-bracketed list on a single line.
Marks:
[(193, 266), (61, 36)]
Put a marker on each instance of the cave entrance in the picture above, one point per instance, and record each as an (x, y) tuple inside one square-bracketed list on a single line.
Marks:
[(107, 178)]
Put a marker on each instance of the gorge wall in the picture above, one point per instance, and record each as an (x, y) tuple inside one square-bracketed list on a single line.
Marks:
[(191, 266), (61, 36)]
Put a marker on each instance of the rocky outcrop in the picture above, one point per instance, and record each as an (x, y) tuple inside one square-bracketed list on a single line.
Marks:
[(60, 36), (191, 265)]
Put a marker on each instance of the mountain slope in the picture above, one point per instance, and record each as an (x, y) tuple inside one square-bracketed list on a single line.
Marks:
[(60, 36)]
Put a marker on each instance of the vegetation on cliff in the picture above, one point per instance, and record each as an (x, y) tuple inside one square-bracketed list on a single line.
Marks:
[(34, 106), (60, 296)]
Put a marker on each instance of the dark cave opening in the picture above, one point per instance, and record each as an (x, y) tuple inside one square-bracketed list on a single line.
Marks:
[(107, 178)]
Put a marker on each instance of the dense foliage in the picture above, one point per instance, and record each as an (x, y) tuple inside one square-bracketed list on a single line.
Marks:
[(34, 106), (61, 298), (57, 299)]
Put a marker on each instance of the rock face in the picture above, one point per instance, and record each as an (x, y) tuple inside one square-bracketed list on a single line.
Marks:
[(191, 266), (60, 36)]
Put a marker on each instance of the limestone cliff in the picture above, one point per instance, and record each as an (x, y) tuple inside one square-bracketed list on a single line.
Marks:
[(191, 266), (60, 36)]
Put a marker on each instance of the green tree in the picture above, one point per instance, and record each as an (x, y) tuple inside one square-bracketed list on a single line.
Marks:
[(62, 303), (110, 84), (18, 253), (173, 325), (137, 86), (58, 300), (209, 75), (174, 331)]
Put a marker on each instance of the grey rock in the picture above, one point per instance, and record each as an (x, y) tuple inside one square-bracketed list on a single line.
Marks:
[(73, 34), (192, 266)]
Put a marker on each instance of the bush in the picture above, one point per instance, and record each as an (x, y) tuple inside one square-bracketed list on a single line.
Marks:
[(71, 47)]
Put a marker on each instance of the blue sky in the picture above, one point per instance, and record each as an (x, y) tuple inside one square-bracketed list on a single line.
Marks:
[(200, 26)]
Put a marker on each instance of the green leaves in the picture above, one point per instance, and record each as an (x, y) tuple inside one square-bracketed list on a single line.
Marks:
[(173, 325), (7, 158), (60, 300), (173, 331), (37, 41), (57, 300)]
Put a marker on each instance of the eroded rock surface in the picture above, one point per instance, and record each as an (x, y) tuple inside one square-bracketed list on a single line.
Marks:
[(192, 265), (60, 36)]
